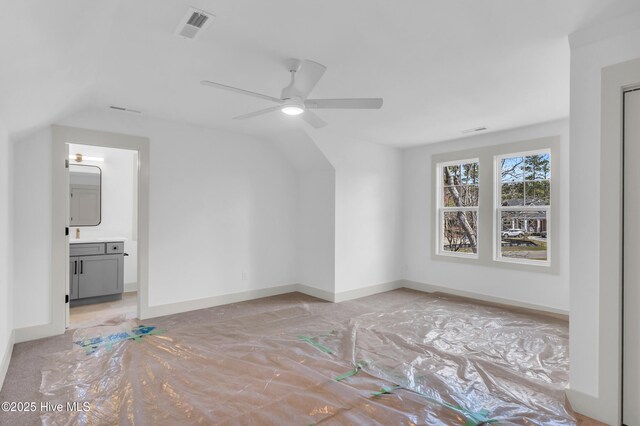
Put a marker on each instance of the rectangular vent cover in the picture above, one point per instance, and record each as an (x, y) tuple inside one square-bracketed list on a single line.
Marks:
[(193, 23), (119, 108), (475, 129), (197, 19)]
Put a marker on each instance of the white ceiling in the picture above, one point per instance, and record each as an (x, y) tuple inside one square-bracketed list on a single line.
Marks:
[(441, 66)]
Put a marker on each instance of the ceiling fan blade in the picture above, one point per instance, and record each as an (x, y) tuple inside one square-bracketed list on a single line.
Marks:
[(313, 119), (308, 76), (241, 91), (256, 113), (358, 103)]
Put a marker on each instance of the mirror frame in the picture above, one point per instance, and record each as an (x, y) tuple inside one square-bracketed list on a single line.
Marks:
[(86, 165)]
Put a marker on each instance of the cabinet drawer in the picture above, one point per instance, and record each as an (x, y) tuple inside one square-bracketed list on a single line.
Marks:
[(115, 248), (86, 249)]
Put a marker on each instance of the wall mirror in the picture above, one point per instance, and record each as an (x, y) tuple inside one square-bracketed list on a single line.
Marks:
[(85, 199)]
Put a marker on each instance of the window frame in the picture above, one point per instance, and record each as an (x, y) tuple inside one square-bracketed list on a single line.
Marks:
[(441, 209), (499, 208)]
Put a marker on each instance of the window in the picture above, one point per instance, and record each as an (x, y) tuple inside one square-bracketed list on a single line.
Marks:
[(458, 208), (523, 198)]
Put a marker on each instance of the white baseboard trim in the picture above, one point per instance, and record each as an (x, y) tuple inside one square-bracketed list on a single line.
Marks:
[(35, 332), (315, 292), (208, 302), (593, 407), (430, 288), (47, 330), (225, 299), (129, 287), (6, 359), (367, 291)]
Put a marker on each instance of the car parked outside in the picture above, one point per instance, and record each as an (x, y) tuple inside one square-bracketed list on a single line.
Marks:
[(513, 232)]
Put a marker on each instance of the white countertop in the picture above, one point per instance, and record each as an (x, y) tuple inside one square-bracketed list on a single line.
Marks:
[(96, 240)]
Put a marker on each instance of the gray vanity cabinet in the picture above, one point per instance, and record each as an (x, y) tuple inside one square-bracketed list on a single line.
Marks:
[(73, 277), (96, 272)]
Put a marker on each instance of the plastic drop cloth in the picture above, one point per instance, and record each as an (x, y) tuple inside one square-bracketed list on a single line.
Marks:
[(278, 364)]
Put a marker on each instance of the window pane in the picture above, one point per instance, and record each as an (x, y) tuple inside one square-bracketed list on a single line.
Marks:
[(470, 174), (537, 167), (461, 196), (524, 235), (537, 193), (512, 169), (513, 194), (460, 232), (451, 175)]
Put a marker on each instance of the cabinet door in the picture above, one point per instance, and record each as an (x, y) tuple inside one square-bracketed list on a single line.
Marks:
[(84, 206), (100, 275), (73, 278)]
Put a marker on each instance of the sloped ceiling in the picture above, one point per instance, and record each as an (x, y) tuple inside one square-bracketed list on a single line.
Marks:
[(441, 66)]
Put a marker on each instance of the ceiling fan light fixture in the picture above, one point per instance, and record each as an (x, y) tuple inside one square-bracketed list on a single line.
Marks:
[(292, 110)]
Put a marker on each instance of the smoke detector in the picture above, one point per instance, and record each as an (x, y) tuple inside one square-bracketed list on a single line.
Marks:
[(193, 23)]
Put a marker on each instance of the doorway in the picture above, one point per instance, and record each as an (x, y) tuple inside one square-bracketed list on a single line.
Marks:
[(60, 259), (631, 265), (103, 222)]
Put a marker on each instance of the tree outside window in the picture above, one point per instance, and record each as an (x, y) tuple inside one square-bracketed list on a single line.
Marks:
[(458, 208)]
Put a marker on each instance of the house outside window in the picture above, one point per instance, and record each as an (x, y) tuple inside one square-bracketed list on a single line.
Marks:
[(523, 198), (458, 208)]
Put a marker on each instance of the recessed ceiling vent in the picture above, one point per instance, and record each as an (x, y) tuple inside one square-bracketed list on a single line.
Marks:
[(123, 109), (193, 23), (475, 129)]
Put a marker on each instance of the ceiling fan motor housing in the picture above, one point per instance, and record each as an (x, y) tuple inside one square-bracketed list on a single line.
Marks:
[(293, 106)]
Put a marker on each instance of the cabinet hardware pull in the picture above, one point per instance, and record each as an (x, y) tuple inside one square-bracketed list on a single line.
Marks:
[(81, 266), (75, 267)]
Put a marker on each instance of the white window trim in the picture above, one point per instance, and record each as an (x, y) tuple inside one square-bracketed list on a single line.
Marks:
[(441, 210), (498, 209)]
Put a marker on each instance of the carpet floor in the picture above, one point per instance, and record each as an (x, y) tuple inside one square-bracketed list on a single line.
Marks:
[(401, 357)]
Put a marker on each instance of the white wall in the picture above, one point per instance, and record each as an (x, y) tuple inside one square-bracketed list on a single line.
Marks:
[(593, 373), (316, 230), (32, 213), (368, 227), (220, 204), (6, 267), (119, 198), (316, 211), (543, 289)]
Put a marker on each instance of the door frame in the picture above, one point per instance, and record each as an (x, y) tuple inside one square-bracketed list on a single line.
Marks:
[(615, 80), (61, 136), (627, 90)]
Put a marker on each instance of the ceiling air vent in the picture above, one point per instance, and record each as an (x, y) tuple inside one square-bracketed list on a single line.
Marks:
[(193, 23), (119, 108), (475, 129)]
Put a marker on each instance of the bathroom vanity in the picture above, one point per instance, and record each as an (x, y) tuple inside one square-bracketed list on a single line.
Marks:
[(96, 271)]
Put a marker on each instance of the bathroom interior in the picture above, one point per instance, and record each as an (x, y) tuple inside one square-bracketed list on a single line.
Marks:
[(103, 226)]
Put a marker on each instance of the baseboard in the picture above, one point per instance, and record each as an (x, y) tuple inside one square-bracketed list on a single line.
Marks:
[(6, 359), (209, 302), (430, 288), (367, 291), (316, 292), (35, 332), (40, 331), (129, 287), (590, 406)]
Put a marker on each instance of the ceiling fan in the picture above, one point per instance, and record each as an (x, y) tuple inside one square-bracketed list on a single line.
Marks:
[(293, 99)]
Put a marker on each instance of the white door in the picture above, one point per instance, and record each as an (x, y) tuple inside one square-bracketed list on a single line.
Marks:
[(631, 281)]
